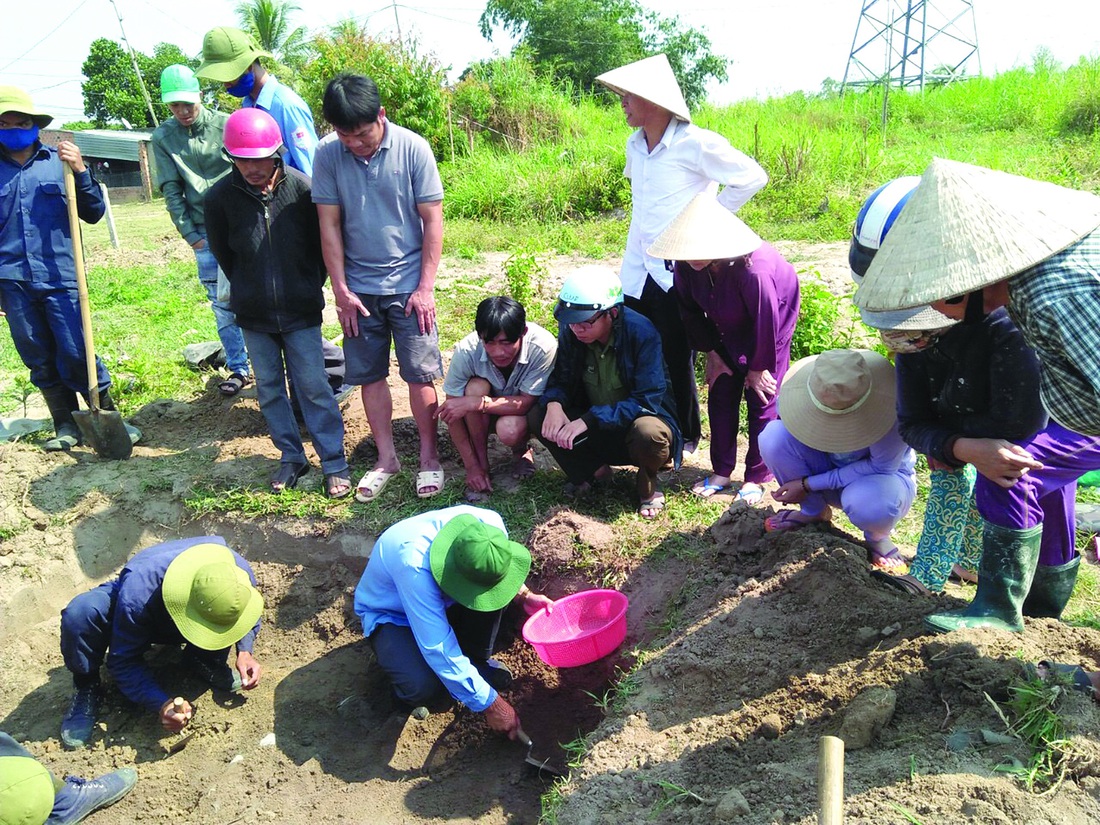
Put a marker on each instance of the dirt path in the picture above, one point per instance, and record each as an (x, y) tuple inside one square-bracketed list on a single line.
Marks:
[(773, 638)]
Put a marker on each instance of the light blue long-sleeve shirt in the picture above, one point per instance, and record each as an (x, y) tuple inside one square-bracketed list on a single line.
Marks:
[(398, 587), (295, 122)]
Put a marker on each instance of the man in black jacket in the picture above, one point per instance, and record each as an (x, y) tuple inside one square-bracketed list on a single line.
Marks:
[(262, 227)]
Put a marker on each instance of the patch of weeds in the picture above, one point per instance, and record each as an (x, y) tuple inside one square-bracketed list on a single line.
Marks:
[(674, 614), (909, 815), (206, 499), (551, 802), (576, 750), (1033, 718), (671, 794), (624, 687), (525, 276)]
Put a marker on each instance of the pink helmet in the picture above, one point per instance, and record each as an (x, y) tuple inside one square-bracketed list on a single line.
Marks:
[(252, 133)]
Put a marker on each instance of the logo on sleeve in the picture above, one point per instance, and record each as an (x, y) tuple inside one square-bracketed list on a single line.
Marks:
[(301, 138)]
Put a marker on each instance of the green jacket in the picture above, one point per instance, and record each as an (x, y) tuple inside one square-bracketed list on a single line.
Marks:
[(189, 161)]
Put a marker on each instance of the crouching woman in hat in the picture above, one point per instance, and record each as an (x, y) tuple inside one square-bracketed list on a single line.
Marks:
[(196, 592), (836, 443), (739, 300), (431, 601)]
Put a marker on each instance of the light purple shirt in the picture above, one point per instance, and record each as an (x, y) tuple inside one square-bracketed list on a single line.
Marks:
[(686, 161)]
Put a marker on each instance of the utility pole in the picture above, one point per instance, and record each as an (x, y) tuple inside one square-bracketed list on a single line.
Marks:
[(927, 42), (137, 69), (396, 19)]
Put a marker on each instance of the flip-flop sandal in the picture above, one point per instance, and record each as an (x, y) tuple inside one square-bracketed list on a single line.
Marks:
[(427, 479), (655, 505), (337, 485), (707, 488), (523, 466), (287, 476), (370, 486), (889, 562), (751, 493), (905, 582), (786, 520), (234, 384)]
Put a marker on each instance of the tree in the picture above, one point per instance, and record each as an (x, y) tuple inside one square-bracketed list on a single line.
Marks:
[(111, 91), (269, 22), (410, 86), (580, 39)]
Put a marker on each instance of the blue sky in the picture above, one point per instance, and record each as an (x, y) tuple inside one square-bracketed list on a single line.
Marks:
[(775, 46)]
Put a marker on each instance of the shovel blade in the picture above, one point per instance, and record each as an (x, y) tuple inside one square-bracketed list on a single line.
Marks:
[(105, 432)]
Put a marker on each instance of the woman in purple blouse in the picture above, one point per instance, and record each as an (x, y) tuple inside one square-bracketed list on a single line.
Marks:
[(739, 300)]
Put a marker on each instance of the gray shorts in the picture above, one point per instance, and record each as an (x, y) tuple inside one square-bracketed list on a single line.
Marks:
[(368, 353)]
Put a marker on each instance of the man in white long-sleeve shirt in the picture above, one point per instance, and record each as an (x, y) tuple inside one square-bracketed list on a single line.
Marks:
[(669, 160)]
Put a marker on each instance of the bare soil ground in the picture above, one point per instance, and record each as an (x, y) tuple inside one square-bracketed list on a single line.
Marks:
[(759, 645)]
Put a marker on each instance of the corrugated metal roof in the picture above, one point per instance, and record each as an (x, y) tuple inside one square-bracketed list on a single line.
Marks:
[(110, 144)]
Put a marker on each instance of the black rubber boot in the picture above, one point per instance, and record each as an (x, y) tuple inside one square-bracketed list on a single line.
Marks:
[(1009, 558), (61, 402), (1051, 589)]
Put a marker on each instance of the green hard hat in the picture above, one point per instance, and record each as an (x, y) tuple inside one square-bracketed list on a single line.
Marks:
[(227, 53), (178, 84), (26, 791)]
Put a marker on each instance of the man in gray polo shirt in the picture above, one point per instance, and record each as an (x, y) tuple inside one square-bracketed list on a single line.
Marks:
[(497, 373), (380, 204)]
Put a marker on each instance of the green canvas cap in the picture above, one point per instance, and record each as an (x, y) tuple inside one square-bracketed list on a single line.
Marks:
[(476, 565), (227, 53), (14, 99), (26, 788), (211, 600)]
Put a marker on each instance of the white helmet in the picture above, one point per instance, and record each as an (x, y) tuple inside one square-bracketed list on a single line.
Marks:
[(589, 290)]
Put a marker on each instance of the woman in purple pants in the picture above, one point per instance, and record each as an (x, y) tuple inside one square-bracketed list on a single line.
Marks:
[(739, 301)]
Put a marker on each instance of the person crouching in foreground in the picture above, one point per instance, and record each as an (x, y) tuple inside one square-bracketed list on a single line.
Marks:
[(431, 601)]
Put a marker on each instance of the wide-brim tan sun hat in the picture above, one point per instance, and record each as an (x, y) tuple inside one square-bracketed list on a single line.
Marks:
[(966, 227), (14, 99), (840, 400), (210, 598), (651, 79), (705, 231)]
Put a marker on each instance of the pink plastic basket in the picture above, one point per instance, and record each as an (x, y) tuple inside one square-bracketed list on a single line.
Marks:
[(582, 628)]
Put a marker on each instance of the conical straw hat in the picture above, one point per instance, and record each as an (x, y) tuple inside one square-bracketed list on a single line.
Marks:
[(651, 79), (966, 227), (705, 231)]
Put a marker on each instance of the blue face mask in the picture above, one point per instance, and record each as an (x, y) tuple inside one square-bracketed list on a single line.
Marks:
[(244, 85), (15, 140)]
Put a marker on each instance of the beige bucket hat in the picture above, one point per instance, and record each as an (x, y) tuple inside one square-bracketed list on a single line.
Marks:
[(705, 231), (839, 401), (966, 227), (651, 79), (14, 99)]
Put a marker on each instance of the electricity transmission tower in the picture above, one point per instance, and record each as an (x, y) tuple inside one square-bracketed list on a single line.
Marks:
[(913, 43)]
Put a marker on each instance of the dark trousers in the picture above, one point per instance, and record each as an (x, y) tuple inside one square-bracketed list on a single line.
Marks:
[(44, 320), (645, 444), (661, 309), (414, 682), (86, 634)]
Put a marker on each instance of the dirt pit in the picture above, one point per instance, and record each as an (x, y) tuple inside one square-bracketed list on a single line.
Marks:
[(756, 646)]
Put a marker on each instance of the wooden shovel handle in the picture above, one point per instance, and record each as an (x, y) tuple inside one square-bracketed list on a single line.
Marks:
[(81, 286)]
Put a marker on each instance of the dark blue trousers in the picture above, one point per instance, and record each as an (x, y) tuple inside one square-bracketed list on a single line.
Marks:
[(44, 320), (414, 682)]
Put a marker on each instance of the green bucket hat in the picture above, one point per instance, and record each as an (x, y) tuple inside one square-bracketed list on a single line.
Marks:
[(26, 788), (178, 84), (14, 99), (211, 600), (476, 565), (227, 53)]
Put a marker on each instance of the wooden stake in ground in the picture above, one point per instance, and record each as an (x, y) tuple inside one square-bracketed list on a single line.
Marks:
[(830, 781)]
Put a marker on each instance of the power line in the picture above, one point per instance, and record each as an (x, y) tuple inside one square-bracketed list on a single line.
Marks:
[(39, 42)]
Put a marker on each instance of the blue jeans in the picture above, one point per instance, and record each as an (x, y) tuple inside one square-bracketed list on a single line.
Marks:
[(230, 334), (44, 320), (300, 354)]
